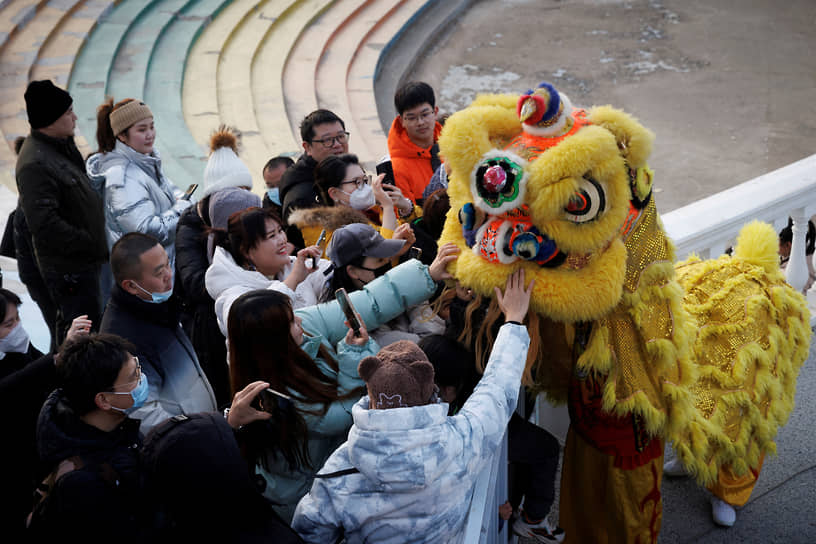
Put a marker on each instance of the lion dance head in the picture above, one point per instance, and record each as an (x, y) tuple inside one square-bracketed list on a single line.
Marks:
[(538, 184)]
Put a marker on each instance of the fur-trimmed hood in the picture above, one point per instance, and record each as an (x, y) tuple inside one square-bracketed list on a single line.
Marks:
[(328, 217)]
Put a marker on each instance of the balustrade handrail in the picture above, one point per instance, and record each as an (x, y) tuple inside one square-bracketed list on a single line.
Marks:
[(708, 226)]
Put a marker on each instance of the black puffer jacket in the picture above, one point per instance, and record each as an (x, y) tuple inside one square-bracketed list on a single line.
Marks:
[(27, 380), (200, 488), (297, 186), (101, 498), (200, 323), (64, 213)]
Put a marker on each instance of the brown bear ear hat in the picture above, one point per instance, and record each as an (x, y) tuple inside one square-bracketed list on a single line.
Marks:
[(400, 376)]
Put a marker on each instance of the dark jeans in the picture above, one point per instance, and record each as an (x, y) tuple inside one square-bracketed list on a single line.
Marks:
[(74, 294), (533, 456)]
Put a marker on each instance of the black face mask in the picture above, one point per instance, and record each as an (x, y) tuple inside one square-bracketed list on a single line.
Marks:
[(379, 271)]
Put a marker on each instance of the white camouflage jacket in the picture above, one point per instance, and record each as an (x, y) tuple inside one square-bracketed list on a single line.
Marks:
[(416, 466)]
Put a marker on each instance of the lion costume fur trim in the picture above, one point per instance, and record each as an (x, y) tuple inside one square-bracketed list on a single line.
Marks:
[(753, 335)]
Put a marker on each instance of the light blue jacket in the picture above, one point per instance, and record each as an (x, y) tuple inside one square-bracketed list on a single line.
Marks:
[(380, 301), (417, 466)]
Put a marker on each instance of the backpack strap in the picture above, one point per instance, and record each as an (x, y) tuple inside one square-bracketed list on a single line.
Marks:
[(338, 473)]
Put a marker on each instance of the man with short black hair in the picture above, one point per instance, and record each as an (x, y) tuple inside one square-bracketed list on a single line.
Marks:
[(323, 134), (64, 213), (144, 310), (87, 440), (273, 173), (412, 139)]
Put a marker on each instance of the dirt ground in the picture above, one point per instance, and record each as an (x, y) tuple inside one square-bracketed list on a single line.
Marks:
[(728, 86)]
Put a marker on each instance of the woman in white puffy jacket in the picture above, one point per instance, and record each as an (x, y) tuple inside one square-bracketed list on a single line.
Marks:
[(128, 172), (255, 254)]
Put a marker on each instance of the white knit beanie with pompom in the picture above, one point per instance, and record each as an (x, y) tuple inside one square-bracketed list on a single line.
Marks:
[(224, 168)]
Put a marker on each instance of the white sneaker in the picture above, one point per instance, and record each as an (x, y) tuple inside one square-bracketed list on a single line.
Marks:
[(541, 531), (674, 468), (722, 512)]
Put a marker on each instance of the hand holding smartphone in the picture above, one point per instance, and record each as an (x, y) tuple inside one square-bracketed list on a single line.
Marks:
[(271, 400), (312, 262), (348, 310)]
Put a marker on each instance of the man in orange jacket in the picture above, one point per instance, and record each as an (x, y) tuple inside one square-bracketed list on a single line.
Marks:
[(412, 139)]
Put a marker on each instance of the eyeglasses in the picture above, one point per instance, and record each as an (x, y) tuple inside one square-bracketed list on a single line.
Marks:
[(358, 181), (136, 380), (329, 140), (424, 115)]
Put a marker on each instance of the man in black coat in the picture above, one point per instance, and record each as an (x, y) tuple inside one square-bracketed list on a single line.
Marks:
[(64, 213), (87, 440), (323, 134)]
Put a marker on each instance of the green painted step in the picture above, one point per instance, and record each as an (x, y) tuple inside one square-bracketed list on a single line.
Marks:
[(128, 75), (164, 81), (90, 72)]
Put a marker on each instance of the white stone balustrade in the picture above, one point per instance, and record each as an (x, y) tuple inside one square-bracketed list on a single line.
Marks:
[(709, 226)]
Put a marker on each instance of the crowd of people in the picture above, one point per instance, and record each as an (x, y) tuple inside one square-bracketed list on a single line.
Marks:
[(202, 380)]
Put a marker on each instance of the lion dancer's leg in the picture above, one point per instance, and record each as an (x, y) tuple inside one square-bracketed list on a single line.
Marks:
[(612, 471), (733, 490)]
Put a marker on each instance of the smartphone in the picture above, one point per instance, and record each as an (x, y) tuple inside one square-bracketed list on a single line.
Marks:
[(348, 310), (414, 253), (311, 262), (190, 190), (270, 400), (384, 167)]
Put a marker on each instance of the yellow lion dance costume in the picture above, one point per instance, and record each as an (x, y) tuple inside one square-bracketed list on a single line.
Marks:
[(702, 353)]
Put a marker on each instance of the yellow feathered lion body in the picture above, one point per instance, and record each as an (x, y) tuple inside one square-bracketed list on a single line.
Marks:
[(705, 353)]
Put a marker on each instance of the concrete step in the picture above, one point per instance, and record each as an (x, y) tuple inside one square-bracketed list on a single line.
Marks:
[(92, 67), (360, 90), (59, 51), (400, 55), (26, 26), (163, 86), (200, 89), (128, 75)]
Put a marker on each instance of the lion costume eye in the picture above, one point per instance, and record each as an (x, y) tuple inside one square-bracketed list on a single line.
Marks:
[(498, 182), (588, 202)]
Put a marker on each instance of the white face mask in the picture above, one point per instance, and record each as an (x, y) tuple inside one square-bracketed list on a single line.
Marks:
[(16, 341), (362, 198)]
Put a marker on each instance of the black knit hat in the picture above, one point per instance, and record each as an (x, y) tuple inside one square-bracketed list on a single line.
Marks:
[(45, 103)]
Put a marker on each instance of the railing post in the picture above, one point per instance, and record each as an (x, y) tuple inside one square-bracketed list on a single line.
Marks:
[(796, 273)]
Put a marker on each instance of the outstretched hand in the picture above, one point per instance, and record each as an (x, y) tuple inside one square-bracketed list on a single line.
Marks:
[(444, 256), (516, 299)]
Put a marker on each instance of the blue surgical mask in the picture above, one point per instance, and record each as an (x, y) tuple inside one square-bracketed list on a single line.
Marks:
[(156, 298), (139, 396), (274, 195)]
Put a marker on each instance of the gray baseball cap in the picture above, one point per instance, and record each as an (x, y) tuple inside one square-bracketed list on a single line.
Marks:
[(360, 240)]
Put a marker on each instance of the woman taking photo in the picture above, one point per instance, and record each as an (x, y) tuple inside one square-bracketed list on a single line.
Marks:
[(309, 358), (254, 253), (128, 171), (349, 195)]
